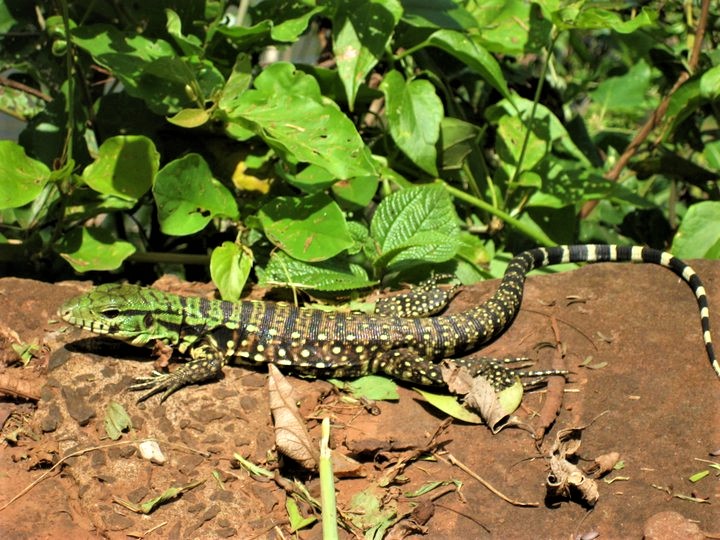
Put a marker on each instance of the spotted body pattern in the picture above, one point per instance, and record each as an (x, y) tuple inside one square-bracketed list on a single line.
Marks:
[(321, 344)]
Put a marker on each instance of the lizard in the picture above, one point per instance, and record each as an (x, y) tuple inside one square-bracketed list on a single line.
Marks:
[(405, 340)]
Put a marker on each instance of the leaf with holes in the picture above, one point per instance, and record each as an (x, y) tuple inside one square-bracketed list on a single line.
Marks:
[(188, 196), (287, 110)]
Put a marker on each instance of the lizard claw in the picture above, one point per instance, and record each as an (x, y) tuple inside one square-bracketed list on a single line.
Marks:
[(156, 383)]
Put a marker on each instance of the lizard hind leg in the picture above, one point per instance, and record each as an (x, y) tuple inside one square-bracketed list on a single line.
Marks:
[(423, 300), (407, 365), (207, 363)]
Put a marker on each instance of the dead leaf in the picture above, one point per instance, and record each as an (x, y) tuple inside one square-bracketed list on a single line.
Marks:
[(603, 464), (567, 480), (479, 396), (291, 436)]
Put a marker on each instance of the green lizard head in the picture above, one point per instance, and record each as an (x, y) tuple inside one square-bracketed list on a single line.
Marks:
[(125, 312)]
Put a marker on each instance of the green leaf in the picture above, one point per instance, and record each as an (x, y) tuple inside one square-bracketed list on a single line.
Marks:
[(699, 234), (189, 44), (710, 83), (430, 486), (287, 110), (238, 82), (125, 167), (698, 476), (166, 496), (582, 15), (459, 140), (373, 387), (371, 512), (363, 30), (450, 406), (327, 276), (414, 226), (89, 249), (501, 32), (230, 267), (116, 421), (356, 192), (311, 228), (188, 197), (190, 118), (312, 179), (21, 177), (626, 94), (474, 55), (414, 112), (289, 18), (297, 521), (150, 69)]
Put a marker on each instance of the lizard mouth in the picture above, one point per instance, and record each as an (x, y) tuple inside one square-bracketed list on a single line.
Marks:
[(93, 326)]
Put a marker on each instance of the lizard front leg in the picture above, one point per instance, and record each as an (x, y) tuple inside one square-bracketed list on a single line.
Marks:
[(207, 363)]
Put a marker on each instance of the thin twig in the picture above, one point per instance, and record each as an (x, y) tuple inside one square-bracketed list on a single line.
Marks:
[(454, 461), (77, 453), (655, 118), (555, 388), (4, 81)]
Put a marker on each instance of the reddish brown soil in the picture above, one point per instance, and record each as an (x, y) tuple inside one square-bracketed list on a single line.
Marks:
[(661, 397)]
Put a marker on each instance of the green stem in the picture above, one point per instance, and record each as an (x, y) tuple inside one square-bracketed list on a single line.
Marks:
[(533, 109), (70, 98), (327, 486), (535, 233)]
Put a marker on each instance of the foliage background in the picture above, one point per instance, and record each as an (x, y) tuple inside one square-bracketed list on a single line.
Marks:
[(335, 145)]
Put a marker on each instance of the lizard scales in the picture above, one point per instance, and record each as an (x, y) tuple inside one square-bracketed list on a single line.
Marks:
[(317, 343)]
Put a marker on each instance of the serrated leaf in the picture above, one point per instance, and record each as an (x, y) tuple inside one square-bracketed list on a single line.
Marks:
[(230, 267), (116, 420), (311, 228), (324, 276), (23, 178), (414, 112), (89, 249), (287, 110), (415, 225), (125, 167), (188, 197)]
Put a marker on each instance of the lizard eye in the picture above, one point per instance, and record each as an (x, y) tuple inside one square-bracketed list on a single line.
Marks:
[(148, 320), (111, 313)]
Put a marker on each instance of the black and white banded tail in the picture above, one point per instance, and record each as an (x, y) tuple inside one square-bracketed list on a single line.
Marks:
[(539, 257)]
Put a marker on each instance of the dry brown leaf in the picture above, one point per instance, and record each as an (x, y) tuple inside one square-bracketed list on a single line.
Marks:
[(479, 396), (291, 436), (603, 464), (566, 479)]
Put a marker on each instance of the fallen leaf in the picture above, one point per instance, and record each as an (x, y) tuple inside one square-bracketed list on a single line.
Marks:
[(291, 436)]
